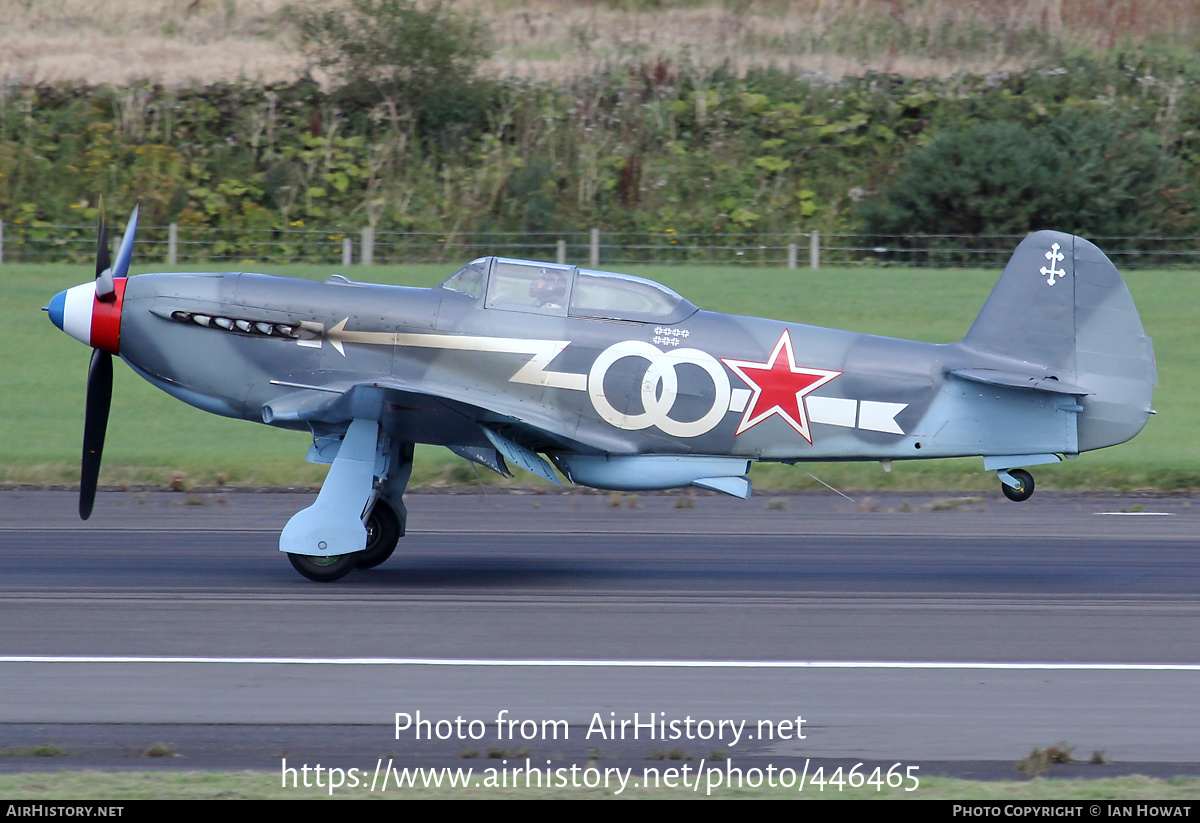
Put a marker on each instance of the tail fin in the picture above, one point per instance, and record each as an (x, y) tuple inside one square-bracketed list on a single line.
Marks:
[(1061, 311)]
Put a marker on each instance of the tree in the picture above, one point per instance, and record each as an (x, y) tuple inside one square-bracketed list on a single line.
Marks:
[(1083, 172), (420, 63)]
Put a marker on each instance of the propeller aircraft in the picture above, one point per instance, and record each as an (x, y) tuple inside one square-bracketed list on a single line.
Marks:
[(615, 381)]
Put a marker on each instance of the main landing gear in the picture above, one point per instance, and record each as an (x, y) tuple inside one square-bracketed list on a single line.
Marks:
[(331, 538), (1021, 485)]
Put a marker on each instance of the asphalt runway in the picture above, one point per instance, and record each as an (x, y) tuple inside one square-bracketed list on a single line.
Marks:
[(947, 632)]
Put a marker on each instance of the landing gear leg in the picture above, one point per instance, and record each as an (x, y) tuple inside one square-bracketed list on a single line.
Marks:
[(388, 518), (1017, 484), (323, 540), (383, 532)]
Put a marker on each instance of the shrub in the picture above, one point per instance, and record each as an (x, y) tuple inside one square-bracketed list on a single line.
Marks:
[(1080, 172), (419, 62)]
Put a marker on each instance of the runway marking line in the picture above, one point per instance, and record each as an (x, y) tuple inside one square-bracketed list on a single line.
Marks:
[(615, 664)]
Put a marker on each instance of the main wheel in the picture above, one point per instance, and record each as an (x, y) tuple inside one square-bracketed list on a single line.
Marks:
[(1026, 489), (383, 532), (324, 569)]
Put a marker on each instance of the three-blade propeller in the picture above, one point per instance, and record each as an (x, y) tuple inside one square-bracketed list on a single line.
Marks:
[(100, 371)]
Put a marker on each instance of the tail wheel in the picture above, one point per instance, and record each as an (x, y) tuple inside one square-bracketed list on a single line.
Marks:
[(324, 569), (1025, 489), (383, 532)]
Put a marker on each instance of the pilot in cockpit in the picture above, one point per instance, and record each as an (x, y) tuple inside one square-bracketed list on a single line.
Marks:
[(549, 288)]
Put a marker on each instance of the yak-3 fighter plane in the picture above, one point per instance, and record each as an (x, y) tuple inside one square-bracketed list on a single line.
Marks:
[(616, 381)]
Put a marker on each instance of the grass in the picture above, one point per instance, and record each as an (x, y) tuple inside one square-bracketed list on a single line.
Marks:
[(1039, 761), (43, 750), (181, 785), (161, 750), (158, 441)]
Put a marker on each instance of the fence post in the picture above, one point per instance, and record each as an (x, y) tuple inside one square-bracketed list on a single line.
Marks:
[(347, 251), (1, 242), (814, 250), (791, 264), (366, 255), (562, 252), (172, 244), (594, 256)]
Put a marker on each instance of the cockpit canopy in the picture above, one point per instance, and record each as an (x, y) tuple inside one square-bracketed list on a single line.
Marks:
[(549, 288)]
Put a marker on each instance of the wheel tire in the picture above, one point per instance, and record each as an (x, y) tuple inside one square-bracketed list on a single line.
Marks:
[(1025, 492), (324, 569), (383, 532)]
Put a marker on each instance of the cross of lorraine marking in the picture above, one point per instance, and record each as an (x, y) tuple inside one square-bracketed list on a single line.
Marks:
[(1054, 256)]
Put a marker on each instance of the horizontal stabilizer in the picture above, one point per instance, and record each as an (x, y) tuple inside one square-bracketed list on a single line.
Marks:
[(1015, 380)]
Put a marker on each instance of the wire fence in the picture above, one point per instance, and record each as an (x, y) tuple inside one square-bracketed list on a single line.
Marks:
[(40, 243)]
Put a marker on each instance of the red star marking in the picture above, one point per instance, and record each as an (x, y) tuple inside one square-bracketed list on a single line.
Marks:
[(779, 387)]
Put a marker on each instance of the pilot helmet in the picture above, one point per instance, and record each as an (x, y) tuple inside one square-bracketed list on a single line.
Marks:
[(549, 287)]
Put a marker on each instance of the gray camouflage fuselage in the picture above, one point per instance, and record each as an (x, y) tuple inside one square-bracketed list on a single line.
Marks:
[(888, 398)]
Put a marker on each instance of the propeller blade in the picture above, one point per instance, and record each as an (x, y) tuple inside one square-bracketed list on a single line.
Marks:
[(103, 261), (104, 277), (95, 422), (125, 253)]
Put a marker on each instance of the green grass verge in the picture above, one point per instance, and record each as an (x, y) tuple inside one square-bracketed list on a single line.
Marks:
[(173, 785), (154, 439)]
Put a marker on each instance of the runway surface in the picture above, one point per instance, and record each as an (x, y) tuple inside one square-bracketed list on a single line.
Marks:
[(954, 632)]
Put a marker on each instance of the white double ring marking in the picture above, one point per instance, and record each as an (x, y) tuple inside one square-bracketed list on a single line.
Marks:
[(660, 387)]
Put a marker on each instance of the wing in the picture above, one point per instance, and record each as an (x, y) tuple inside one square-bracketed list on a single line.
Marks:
[(408, 414)]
